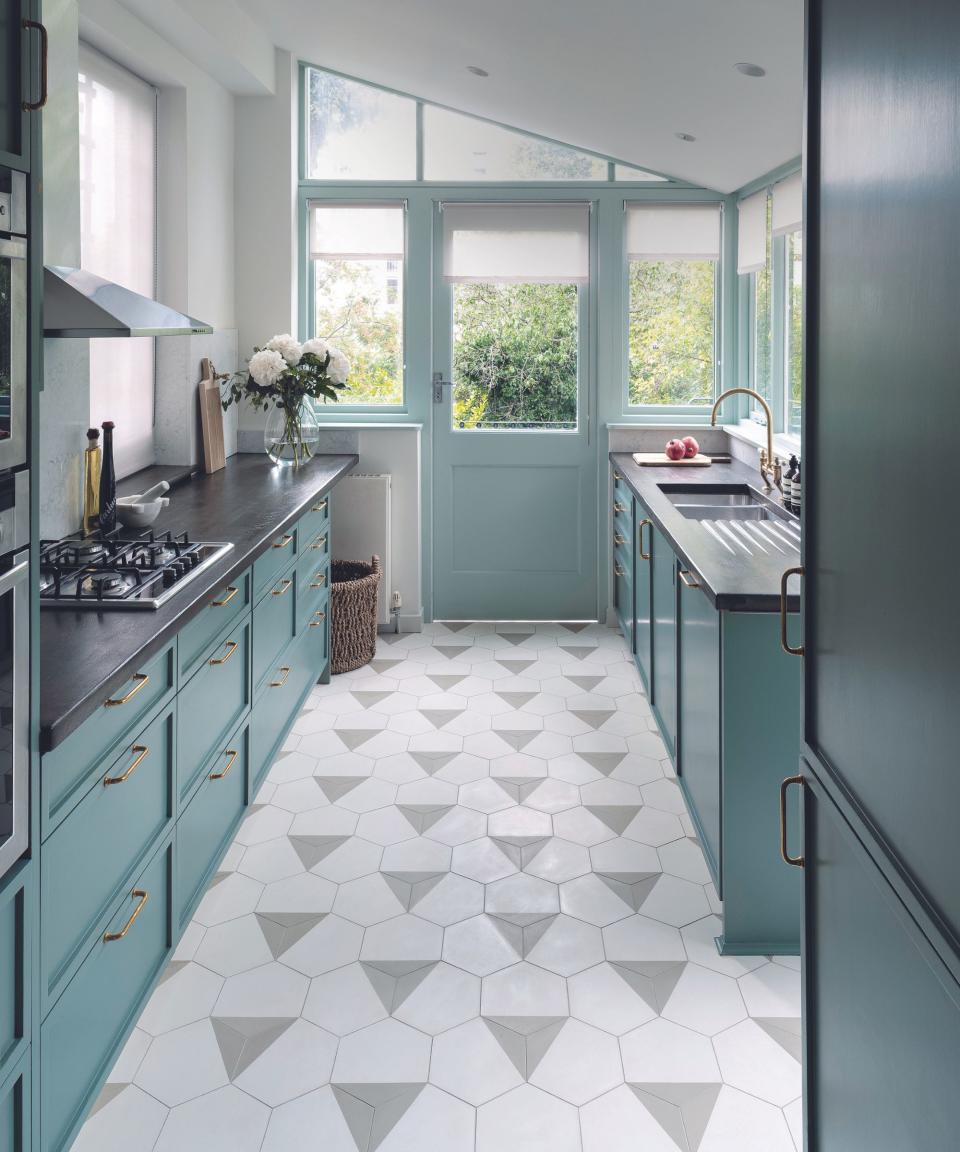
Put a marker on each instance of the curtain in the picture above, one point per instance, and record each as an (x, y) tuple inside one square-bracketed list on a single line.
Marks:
[(788, 205), (674, 232), (752, 233), (356, 231), (516, 243)]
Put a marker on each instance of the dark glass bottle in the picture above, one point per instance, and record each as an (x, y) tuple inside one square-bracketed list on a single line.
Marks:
[(107, 514)]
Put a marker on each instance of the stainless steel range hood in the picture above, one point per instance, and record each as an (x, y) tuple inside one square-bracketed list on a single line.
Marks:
[(78, 304)]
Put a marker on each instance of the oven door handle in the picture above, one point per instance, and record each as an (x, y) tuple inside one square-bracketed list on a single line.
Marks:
[(17, 573)]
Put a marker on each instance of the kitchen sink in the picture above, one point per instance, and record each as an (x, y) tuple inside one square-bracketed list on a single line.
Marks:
[(714, 512), (699, 495)]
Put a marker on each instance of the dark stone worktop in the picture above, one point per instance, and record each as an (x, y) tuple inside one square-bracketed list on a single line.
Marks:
[(86, 655), (732, 581)]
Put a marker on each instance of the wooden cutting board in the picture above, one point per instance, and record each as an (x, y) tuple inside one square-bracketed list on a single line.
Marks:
[(211, 419), (661, 460)]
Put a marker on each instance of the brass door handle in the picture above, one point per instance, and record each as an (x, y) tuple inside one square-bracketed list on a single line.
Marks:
[(136, 894), (283, 541), (618, 507), (619, 538), (231, 592), (321, 507), (320, 617), (230, 763), (796, 861), (34, 105), (784, 642), (283, 586), (143, 750), (640, 527), (231, 647), (141, 679), (283, 679), (687, 579), (319, 583), (320, 542)]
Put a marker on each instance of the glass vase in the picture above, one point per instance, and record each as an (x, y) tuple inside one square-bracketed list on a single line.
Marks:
[(290, 437)]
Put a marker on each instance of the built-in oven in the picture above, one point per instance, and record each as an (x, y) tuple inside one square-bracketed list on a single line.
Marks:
[(13, 319), (14, 669)]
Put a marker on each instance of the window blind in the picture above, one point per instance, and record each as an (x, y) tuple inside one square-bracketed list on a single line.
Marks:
[(516, 243), (118, 147), (673, 232), (356, 231), (788, 205), (752, 233)]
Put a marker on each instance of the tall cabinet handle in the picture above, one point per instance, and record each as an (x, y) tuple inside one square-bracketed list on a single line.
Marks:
[(784, 642), (796, 861), (35, 105), (640, 527)]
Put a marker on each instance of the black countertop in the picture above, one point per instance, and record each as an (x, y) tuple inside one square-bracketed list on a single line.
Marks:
[(731, 579), (86, 655)]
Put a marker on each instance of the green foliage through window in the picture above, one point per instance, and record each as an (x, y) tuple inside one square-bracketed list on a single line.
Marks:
[(794, 328)]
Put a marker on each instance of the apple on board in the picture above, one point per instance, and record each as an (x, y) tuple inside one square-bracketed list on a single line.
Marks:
[(675, 450), (691, 447)]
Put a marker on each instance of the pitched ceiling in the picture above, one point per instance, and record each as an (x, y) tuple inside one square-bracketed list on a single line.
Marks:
[(620, 77)]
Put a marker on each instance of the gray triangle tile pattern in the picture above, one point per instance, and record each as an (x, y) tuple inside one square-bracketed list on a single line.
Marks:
[(462, 920)]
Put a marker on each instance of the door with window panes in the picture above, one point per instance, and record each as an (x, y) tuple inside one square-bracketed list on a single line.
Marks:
[(515, 475)]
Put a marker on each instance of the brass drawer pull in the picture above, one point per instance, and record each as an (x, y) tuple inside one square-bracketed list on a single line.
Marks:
[(640, 527), (230, 763), (283, 679), (320, 617), (283, 541), (283, 586), (784, 642), (687, 579), (143, 750), (231, 647), (619, 538), (141, 679), (136, 894), (796, 861), (320, 542), (321, 507), (619, 571), (321, 581), (231, 592), (617, 477), (618, 507)]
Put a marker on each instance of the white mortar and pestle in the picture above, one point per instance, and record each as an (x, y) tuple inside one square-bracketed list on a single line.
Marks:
[(141, 511)]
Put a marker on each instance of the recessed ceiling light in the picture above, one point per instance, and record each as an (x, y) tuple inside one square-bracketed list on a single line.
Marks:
[(477, 70), (685, 137), (751, 70)]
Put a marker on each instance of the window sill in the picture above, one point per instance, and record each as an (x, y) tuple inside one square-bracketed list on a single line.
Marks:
[(751, 432)]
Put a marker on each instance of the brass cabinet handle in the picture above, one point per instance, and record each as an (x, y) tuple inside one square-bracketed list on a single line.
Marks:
[(619, 538), (141, 679), (320, 581), (231, 592), (34, 105), (231, 647), (640, 527), (796, 861), (283, 541), (618, 507), (143, 750), (687, 579), (618, 570), (283, 586), (321, 507), (283, 679), (320, 542), (617, 477), (136, 894), (320, 617), (230, 763), (784, 642)]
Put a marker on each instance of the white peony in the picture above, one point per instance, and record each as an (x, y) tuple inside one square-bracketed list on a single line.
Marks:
[(267, 366), (288, 348), (339, 367), (317, 346)]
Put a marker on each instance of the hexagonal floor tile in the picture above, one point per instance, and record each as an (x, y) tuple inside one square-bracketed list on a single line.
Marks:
[(469, 1062), (599, 996), (527, 1120), (581, 1064)]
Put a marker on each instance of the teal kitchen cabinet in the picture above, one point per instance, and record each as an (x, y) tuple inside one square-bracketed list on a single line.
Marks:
[(664, 643), (643, 596), (623, 592), (22, 79), (15, 1108), (16, 937), (226, 605)]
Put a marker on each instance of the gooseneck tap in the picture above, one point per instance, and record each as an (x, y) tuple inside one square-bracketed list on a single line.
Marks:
[(766, 454)]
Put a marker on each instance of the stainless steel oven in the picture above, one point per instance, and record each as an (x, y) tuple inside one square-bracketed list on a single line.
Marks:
[(14, 669), (13, 319)]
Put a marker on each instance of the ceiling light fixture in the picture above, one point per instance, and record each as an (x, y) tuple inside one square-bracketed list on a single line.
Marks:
[(753, 70), (477, 70), (685, 137)]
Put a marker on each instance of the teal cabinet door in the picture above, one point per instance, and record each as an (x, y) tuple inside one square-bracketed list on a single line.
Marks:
[(15, 1108), (699, 714), (226, 605), (623, 594), (274, 627), (643, 597), (19, 81), (665, 640), (16, 935)]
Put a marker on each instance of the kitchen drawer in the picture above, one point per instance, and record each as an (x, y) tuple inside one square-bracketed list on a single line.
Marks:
[(226, 604), (206, 826), (212, 705), (65, 771), (621, 542), (274, 626), (313, 588), (86, 863), (623, 514), (15, 1108), (317, 546), (313, 522), (84, 1031), (16, 934), (623, 594), (268, 568)]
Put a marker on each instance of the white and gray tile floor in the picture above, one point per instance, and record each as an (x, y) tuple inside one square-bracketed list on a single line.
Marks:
[(466, 913)]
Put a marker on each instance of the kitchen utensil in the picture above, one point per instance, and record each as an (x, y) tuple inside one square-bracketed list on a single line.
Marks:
[(662, 460), (135, 512), (153, 493), (211, 418)]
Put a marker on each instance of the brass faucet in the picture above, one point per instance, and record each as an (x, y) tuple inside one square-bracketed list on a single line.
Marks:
[(766, 454)]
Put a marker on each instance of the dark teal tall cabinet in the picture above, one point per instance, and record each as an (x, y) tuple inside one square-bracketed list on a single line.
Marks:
[(881, 730)]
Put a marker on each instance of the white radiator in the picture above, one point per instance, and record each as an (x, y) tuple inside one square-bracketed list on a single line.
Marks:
[(360, 521)]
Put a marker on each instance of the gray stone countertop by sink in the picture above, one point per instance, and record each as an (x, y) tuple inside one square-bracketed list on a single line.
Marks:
[(86, 655), (732, 577)]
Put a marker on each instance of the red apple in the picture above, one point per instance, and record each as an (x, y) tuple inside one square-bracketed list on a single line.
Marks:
[(691, 447), (675, 450)]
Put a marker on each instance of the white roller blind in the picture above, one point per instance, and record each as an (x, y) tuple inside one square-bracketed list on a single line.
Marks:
[(516, 243), (788, 205), (118, 147), (673, 232), (752, 233), (356, 231)]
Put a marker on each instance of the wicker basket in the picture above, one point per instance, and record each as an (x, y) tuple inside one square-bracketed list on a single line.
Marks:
[(354, 592)]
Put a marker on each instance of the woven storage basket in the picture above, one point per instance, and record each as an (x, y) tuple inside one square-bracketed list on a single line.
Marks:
[(354, 591)]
